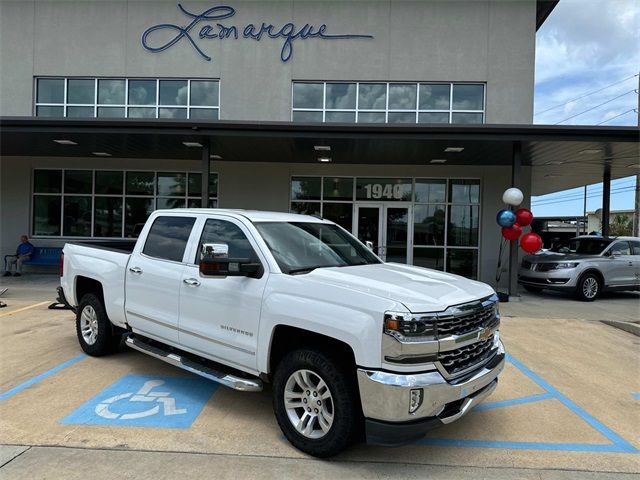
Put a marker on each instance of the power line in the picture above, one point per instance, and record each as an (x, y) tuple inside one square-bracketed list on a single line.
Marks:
[(580, 197), (597, 106), (623, 113), (587, 94), (594, 189)]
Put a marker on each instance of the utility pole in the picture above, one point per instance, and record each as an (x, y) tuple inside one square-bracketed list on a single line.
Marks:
[(636, 212)]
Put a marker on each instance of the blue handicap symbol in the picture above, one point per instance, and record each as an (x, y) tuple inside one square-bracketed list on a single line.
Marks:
[(146, 401), (616, 444)]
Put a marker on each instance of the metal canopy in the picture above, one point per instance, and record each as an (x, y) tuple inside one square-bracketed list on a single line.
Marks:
[(561, 156)]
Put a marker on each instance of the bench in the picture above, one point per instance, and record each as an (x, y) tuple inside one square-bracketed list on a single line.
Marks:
[(45, 256)]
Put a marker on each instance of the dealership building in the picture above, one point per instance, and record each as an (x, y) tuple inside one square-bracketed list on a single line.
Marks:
[(403, 121)]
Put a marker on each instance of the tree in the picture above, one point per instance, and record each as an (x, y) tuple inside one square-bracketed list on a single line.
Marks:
[(620, 225)]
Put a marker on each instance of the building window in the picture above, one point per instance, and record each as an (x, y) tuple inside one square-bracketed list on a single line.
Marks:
[(444, 232), (109, 203), (127, 98), (400, 102)]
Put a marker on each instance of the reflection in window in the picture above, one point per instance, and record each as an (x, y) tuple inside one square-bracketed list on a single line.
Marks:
[(463, 225), (168, 237), (372, 96), (77, 216), (429, 258), (387, 102), (109, 203), (111, 92), (428, 227), (121, 97), (305, 188), (340, 213), (463, 262), (142, 92), (81, 91)]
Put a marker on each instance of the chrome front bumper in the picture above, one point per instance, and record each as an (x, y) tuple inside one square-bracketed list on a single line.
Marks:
[(386, 397)]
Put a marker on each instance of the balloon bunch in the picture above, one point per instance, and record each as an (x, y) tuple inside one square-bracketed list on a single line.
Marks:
[(512, 222)]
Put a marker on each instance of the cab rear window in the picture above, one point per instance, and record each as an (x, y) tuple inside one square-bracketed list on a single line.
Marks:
[(168, 238)]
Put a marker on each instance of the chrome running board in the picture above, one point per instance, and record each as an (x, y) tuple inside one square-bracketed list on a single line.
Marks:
[(177, 360)]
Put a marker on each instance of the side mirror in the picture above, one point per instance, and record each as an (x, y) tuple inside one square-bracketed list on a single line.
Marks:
[(369, 245), (215, 262)]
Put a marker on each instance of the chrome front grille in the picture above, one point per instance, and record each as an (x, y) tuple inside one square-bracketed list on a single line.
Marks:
[(460, 323), (460, 359)]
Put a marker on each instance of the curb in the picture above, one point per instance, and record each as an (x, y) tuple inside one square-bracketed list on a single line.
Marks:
[(629, 327)]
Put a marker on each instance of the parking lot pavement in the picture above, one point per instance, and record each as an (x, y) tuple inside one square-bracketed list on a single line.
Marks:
[(567, 406)]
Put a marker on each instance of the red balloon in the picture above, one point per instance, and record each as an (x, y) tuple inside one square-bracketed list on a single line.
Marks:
[(524, 217), (513, 232), (531, 242)]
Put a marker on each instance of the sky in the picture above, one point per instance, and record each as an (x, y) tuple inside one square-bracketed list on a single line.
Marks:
[(587, 62)]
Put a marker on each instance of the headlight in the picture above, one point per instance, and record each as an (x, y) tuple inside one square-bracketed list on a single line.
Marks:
[(408, 325), (562, 265)]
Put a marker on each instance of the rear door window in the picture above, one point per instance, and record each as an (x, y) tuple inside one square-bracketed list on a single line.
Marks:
[(168, 238)]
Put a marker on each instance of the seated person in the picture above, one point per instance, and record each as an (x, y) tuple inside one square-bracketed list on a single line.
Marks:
[(24, 252)]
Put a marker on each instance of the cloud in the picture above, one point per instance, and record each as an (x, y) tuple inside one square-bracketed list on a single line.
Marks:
[(586, 45)]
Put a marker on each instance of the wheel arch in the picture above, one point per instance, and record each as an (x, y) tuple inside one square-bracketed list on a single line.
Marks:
[(286, 338)]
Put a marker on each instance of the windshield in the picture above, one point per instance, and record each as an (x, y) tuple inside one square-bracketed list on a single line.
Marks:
[(584, 246), (300, 247)]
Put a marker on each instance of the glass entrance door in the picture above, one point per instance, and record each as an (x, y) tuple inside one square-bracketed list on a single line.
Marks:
[(396, 234), (386, 226)]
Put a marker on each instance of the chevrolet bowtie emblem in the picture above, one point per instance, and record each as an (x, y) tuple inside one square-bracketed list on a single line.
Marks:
[(484, 334)]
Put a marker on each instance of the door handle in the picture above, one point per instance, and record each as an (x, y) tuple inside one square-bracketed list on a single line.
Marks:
[(192, 282), (137, 270)]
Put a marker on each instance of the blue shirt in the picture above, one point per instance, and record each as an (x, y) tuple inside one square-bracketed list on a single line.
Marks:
[(25, 249)]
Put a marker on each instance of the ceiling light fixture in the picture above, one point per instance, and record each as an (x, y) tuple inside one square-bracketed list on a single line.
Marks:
[(324, 159), (192, 144), (453, 149), (322, 148), (101, 154), (589, 151), (634, 165), (554, 162), (438, 160), (65, 142), (215, 157), (551, 175)]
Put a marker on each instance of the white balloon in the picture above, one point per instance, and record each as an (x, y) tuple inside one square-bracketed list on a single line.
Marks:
[(513, 196)]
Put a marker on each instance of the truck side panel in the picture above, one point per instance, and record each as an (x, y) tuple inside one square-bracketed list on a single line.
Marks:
[(106, 267), (324, 309)]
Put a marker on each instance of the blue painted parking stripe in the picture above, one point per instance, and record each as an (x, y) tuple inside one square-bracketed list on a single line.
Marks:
[(514, 401), (616, 439), (636, 395), (32, 381), (574, 447)]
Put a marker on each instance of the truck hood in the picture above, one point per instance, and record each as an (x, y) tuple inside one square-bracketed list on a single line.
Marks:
[(419, 289)]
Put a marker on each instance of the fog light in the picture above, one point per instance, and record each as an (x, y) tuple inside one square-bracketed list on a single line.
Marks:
[(416, 399)]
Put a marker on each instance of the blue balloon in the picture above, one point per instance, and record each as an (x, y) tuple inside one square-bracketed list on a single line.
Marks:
[(506, 218)]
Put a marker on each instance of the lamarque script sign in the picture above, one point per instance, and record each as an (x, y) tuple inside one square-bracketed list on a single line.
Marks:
[(206, 26)]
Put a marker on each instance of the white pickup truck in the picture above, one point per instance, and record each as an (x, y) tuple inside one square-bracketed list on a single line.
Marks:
[(353, 347)]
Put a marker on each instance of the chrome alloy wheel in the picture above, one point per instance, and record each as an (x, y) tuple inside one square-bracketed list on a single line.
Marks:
[(590, 287), (309, 404), (89, 325)]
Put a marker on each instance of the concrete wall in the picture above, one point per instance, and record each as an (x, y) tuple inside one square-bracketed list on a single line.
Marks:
[(266, 189), (488, 41)]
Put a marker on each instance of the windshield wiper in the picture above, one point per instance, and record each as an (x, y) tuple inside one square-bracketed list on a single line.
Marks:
[(304, 269)]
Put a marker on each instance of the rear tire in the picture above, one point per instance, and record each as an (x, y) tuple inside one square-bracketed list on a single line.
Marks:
[(532, 289), (589, 287), (93, 327), (315, 403)]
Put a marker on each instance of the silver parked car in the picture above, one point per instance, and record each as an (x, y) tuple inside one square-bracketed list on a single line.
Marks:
[(586, 265)]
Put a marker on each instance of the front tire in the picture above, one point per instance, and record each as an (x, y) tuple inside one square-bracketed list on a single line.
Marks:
[(93, 327), (315, 403), (589, 287)]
